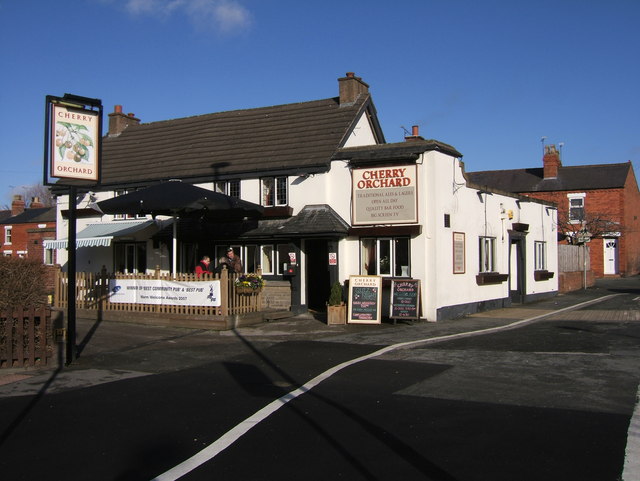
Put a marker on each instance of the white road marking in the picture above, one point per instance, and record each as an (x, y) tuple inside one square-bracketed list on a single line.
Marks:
[(239, 430)]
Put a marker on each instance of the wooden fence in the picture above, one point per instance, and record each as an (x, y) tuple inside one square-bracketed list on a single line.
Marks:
[(571, 258), (92, 293), (26, 337)]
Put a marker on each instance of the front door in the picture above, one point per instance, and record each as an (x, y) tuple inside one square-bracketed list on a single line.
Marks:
[(317, 273), (516, 270), (610, 255)]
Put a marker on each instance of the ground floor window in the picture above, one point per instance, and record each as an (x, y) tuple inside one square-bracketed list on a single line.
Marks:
[(271, 258), (385, 256), (487, 254), (130, 257), (540, 255)]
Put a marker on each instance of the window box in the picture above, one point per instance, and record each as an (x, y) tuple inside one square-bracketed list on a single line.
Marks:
[(487, 278), (543, 275)]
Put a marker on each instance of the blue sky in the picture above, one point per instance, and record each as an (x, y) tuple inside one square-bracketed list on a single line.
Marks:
[(490, 77)]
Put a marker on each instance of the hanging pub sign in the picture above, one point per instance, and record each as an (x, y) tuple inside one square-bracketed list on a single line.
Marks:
[(365, 295), (73, 138), (385, 195)]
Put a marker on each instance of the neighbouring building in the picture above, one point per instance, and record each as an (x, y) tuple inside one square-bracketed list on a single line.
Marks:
[(338, 201), (25, 230), (597, 203)]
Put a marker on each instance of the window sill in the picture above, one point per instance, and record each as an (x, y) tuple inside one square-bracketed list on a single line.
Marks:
[(488, 278), (543, 275)]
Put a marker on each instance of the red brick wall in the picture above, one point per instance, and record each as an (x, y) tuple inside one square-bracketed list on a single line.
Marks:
[(619, 205)]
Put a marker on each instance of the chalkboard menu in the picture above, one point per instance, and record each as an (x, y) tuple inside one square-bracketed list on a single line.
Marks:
[(405, 299), (365, 294)]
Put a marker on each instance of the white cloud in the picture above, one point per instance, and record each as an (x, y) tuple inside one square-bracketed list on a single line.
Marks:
[(225, 16)]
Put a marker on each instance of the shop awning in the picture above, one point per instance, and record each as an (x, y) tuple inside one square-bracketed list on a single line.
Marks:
[(100, 235)]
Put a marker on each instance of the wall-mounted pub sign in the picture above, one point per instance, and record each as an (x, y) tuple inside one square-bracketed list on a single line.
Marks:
[(385, 195)]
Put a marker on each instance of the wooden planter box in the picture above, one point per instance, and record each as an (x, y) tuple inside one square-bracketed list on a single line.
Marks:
[(337, 314), (543, 275), (487, 278), (520, 227)]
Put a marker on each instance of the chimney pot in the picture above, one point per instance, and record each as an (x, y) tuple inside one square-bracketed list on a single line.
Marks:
[(117, 109), (415, 130)]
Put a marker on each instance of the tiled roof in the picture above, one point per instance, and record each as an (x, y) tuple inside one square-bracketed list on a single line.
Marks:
[(301, 136), (41, 214), (582, 177), (409, 150)]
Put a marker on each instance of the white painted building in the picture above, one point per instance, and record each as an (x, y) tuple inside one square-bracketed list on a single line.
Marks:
[(471, 248)]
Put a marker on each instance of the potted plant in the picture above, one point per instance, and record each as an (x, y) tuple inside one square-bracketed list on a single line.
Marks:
[(336, 308)]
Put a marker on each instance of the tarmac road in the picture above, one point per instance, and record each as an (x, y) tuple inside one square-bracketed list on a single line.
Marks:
[(551, 399)]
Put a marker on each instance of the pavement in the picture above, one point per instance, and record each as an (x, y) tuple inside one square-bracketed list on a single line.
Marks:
[(109, 351)]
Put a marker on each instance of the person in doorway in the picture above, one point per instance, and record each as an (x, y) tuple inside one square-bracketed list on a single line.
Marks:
[(231, 261), (204, 266)]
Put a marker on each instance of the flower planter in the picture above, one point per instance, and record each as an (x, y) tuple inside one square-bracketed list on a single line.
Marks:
[(487, 278), (543, 275), (337, 314), (247, 290), (520, 227)]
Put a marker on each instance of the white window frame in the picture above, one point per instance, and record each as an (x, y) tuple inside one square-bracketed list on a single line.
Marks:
[(48, 255), (540, 255), (487, 254), (8, 229), (228, 187), (119, 192), (576, 196), (385, 267), (274, 191)]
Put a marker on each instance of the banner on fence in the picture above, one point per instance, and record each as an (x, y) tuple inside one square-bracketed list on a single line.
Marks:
[(163, 292)]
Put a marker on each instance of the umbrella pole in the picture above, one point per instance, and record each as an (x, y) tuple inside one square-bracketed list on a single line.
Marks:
[(174, 259)]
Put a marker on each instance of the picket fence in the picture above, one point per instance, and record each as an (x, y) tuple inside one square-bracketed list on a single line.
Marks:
[(92, 293)]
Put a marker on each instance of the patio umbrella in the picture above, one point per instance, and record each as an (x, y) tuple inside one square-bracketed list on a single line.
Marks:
[(178, 199)]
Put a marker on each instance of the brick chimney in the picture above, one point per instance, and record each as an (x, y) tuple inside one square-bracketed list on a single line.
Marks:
[(17, 205), (119, 121), (415, 134), (551, 162), (35, 203), (351, 87)]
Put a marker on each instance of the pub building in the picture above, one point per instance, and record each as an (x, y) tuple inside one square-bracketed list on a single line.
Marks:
[(338, 201)]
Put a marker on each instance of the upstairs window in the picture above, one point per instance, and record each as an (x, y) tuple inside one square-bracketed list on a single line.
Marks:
[(576, 208), (7, 235), (274, 191), (487, 254), (228, 187), (126, 216)]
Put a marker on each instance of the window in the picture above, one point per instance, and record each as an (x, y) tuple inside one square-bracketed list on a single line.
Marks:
[(130, 257), (7, 235), (259, 257), (49, 256), (229, 187), (540, 255), (385, 256), (283, 256), (126, 216), (487, 254), (274, 191), (576, 207)]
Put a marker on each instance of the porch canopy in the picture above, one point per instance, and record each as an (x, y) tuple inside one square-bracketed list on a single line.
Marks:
[(101, 235), (179, 199)]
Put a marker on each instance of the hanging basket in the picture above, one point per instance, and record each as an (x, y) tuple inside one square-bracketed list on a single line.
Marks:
[(247, 290)]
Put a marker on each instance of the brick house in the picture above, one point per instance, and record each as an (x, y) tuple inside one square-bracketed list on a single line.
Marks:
[(602, 200), (25, 229)]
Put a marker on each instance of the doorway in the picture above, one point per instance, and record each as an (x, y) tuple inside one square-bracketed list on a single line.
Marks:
[(516, 270), (610, 255), (317, 273)]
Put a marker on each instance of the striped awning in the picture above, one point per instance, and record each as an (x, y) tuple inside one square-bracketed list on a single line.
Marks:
[(100, 235)]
